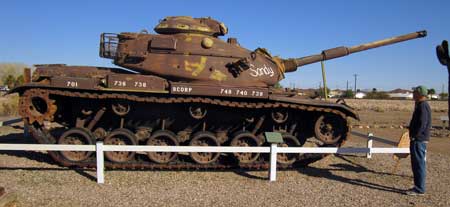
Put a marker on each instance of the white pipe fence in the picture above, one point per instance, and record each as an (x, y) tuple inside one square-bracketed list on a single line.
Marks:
[(99, 148)]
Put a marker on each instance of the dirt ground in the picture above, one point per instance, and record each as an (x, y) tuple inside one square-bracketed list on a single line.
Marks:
[(338, 180)]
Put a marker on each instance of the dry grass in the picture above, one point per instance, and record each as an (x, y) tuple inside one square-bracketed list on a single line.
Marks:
[(14, 69), (392, 105), (9, 105)]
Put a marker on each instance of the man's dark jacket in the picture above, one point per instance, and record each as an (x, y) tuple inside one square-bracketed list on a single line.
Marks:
[(419, 127)]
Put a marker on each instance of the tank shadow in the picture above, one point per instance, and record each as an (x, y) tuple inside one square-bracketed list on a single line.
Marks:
[(374, 138), (82, 172), (18, 138), (351, 167), (246, 173), (358, 167)]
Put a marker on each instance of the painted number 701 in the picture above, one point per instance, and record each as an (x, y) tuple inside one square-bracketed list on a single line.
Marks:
[(72, 84)]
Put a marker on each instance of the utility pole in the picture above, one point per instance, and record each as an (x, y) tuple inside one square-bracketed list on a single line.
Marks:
[(356, 75), (324, 80), (320, 88), (346, 93)]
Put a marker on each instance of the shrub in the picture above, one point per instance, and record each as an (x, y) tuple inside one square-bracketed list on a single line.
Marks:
[(377, 95), (348, 94), (11, 74), (9, 105)]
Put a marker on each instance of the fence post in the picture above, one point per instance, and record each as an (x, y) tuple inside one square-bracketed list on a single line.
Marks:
[(369, 145), (100, 162), (26, 130), (273, 162)]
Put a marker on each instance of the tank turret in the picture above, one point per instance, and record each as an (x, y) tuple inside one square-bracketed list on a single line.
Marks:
[(186, 24), (188, 49)]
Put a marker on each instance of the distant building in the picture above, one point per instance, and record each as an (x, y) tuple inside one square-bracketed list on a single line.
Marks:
[(306, 92), (400, 94), (433, 96), (4, 88), (335, 93), (360, 95)]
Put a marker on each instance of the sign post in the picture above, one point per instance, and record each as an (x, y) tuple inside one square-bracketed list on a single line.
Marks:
[(273, 138)]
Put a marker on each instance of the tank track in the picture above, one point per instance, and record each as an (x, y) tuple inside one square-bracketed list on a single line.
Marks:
[(42, 136)]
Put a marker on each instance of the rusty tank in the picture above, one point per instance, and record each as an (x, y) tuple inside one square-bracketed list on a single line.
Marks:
[(182, 86)]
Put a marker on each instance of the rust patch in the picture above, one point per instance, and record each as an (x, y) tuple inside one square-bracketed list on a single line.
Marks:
[(218, 75), (195, 67)]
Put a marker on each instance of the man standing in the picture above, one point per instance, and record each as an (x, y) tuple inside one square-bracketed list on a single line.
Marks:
[(419, 133)]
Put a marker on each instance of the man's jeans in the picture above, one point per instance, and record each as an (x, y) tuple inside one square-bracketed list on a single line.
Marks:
[(418, 150)]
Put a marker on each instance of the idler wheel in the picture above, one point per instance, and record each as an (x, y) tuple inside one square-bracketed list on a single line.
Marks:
[(204, 139), (329, 128), (288, 158), (76, 136), (245, 139), (120, 137), (162, 138)]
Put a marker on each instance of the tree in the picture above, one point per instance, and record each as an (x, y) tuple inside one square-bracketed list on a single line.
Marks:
[(443, 56), (321, 94), (431, 91), (19, 81), (377, 95), (348, 94), (9, 80), (443, 96), (278, 85), (14, 69)]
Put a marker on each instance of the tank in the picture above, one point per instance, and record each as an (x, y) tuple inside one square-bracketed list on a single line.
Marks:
[(182, 86)]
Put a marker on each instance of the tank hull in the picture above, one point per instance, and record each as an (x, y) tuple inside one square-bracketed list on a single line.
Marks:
[(134, 109)]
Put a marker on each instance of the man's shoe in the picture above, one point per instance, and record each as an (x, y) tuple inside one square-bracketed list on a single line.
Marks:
[(413, 192)]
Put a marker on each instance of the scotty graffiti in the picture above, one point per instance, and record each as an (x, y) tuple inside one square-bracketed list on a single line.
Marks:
[(256, 72)]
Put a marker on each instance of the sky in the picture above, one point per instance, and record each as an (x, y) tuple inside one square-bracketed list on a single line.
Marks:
[(40, 32)]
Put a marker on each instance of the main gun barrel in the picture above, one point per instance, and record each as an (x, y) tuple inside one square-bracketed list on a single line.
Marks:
[(293, 63)]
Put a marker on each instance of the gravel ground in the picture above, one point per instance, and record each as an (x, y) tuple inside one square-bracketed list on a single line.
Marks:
[(350, 180)]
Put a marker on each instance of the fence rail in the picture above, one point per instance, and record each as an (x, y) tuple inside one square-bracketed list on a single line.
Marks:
[(9, 122), (273, 149)]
